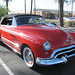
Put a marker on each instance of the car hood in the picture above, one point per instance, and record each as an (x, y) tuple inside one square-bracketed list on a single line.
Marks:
[(54, 35)]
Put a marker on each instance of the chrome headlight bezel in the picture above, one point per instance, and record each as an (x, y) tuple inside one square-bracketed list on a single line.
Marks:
[(46, 46)]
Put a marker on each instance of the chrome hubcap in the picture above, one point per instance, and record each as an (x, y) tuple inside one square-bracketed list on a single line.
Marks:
[(28, 57)]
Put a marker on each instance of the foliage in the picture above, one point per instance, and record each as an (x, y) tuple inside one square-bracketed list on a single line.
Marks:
[(53, 23), (73, 22), (3, 11), (70, 23), (47, 21), (7, 1), (67, 15)]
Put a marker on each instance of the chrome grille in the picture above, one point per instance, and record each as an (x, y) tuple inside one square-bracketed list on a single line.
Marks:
[(66, 51)]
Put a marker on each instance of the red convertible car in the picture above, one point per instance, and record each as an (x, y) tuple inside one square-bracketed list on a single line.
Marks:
[(37, 42)]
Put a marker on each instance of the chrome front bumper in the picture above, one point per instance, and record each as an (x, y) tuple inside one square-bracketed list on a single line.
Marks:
[(48, 61), (58, 56)]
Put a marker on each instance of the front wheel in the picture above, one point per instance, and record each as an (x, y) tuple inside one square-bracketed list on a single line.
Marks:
[(28, 57)]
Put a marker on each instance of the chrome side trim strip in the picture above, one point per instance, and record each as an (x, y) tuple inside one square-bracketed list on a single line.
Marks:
[(61, 49), (12, 48), (15, 44)]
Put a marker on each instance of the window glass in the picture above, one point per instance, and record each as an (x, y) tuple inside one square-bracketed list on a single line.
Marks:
[(27, 20), (7, 21)]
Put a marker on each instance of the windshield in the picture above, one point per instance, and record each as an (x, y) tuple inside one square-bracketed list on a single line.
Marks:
[(29, 20)]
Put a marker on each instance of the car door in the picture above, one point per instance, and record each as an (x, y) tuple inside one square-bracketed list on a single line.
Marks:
[(6, 30), (8, 34)]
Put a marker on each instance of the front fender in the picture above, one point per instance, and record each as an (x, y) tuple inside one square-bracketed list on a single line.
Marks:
[(35, 43)]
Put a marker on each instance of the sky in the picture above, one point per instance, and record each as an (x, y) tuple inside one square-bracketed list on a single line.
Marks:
[(18, 5)]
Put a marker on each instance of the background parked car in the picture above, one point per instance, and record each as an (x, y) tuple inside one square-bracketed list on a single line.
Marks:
[(69, 18)]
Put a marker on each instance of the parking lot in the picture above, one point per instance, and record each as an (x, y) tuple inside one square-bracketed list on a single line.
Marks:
[(12, 63)]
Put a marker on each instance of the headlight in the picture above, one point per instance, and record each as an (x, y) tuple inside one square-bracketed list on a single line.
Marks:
[(46, 46)]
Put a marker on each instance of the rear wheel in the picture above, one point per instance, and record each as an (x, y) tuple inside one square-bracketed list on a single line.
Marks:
[(29, 57)]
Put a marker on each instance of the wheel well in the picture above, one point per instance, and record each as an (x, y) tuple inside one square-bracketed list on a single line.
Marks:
[(22, 47)]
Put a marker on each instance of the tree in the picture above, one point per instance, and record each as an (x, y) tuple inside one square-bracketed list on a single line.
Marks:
[(3, 11), (25, 6), (66, 1), (72, 1), (7, 3), (34, 6), (31, 6), (58, 6), (61, 12)]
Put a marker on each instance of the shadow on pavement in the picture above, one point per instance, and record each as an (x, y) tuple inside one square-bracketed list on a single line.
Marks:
[(60, 69)]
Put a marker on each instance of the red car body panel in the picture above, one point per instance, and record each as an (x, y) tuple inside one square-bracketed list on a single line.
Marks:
[(35, 36), (0, 30)]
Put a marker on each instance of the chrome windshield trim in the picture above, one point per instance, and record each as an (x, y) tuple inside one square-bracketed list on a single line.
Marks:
[(61, 49)]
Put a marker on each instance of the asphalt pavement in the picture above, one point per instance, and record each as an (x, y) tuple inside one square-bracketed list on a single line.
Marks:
[(12, 63)]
